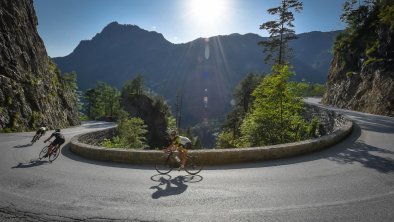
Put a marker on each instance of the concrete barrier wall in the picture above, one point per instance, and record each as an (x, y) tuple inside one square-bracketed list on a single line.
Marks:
[(214, 156)]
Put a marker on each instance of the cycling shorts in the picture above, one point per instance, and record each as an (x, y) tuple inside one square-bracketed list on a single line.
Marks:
[(40, 131), (185, 147), (58, 141)]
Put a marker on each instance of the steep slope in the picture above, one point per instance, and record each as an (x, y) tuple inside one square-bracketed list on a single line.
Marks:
[(31, 90), (202, 69), (361, 75)]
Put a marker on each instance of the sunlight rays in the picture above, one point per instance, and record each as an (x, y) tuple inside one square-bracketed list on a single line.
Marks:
[(207, 16)]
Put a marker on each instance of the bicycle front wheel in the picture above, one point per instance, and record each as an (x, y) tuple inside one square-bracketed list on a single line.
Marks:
[(43, 152), (54, 154), (193, 165), (164, 166)]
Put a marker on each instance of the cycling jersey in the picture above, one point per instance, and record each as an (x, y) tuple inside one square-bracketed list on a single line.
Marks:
[(41, 130), (59, 139), (57, 135), (182, 141)]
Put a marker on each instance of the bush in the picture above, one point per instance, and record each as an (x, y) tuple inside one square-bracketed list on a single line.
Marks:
[(276, 115), (130, 134), (225, 140)]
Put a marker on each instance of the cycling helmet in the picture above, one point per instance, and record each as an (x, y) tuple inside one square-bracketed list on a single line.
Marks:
[(57, 130)]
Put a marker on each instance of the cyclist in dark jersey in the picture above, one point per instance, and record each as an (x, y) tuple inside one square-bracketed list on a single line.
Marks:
[(40, 132), (59, 140)]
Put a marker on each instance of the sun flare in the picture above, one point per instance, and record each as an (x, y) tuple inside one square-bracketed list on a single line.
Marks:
[(209, 14)]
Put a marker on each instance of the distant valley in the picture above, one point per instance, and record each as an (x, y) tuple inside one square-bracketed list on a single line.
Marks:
[(204, 72)]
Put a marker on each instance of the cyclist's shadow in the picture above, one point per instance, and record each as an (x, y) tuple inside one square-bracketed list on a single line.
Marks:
[(171, 186), (23, 146), (31, 163)]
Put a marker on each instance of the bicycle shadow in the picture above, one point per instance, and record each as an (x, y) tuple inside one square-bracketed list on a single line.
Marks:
[(23, 146), (31, 163), (169, 186)]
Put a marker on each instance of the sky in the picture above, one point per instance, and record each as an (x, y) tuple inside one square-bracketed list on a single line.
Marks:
[(64, 23)]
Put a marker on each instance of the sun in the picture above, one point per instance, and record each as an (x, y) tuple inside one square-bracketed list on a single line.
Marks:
[(208, 14)]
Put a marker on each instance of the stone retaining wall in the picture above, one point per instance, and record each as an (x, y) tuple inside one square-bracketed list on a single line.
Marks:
[(341, 127)]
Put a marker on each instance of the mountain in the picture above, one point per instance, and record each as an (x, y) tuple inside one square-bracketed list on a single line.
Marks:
[(204, 71), (32, 92)]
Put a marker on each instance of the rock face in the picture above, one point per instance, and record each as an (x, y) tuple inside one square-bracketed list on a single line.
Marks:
[(369, 90), (32, 92), (361, 76), (144, 107)]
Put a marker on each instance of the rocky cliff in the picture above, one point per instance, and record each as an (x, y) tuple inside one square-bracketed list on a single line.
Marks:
[(369, 89), (361, 76), (32, 91), (151, 111)]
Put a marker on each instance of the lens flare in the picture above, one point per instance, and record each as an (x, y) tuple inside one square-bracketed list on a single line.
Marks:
[(208, 15)]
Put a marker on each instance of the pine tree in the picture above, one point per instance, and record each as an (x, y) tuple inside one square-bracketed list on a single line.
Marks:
[(281, 31)]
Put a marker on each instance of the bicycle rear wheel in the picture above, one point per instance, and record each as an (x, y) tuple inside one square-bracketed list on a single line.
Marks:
[(54, 154), (43, 152), (164, 166), (193, 165), (35, 138)]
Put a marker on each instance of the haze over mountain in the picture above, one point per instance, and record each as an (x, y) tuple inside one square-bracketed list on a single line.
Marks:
[(204, 71)]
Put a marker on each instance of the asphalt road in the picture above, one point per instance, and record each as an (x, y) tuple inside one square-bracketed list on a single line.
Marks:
[(352, 181)]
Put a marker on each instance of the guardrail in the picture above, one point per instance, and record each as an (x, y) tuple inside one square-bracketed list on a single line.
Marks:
[(214, 156)]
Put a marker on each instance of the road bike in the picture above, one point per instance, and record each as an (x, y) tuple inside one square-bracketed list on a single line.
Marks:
[(36, 137), (170, 160), (53, 154)]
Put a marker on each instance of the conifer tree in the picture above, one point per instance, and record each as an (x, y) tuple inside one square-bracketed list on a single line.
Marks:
[(281, 31)]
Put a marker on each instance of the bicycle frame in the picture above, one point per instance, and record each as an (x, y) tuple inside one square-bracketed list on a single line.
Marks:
[(165, 166)]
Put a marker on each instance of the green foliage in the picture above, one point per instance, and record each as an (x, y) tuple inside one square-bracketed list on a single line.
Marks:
[(14, 122), (243, 92), (281, 30), (356, 14), (171, 122), (313, 128), (386, 15), (243, 102), (7, 130), (130, 134), (159, 103), (34, 81), (8, 100), (307, 89), (349, 74), (276, 115), (361, 38), (36, 119), (226, 139), (83, 117), (70, 80), (135, 86), (233, 122), (372, 60), (101, 101)]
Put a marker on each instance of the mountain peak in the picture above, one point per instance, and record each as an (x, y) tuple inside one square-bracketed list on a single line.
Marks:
[(116, 26), (119, 32)]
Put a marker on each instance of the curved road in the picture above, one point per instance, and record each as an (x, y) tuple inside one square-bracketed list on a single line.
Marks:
[(352, 181)]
